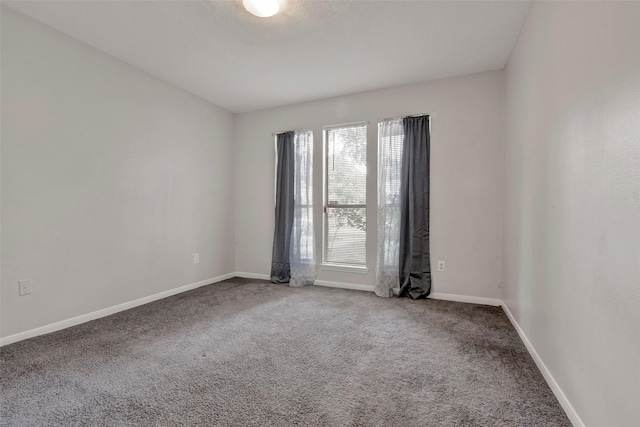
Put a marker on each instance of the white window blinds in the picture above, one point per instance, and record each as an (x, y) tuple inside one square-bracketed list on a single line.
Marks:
[(345, 217)]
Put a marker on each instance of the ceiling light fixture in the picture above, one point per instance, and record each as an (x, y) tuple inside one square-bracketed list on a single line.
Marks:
[(262, 8)]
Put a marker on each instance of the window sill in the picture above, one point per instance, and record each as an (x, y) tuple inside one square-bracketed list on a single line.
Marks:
[(344, 268)]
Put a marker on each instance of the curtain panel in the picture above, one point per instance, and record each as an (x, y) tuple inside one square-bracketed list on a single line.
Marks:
[(302, 246), (285, 158), (415, 267), (293, 253), (403, 208), (390, 140)]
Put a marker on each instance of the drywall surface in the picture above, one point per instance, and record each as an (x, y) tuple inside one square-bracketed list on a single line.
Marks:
[(572, 201), (111, 180), (466, 176)]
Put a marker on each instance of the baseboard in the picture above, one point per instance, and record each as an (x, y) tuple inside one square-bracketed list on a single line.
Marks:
[(371, 288), (354, 286), (63, 324), (325, 283), (465, 298), (557, 391), (252, 275)]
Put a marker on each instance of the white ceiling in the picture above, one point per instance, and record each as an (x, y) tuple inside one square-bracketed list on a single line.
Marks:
[(311, 50)]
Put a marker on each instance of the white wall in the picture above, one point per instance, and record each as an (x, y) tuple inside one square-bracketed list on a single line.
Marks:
[(572, 201), (466, 176), (111, 179)]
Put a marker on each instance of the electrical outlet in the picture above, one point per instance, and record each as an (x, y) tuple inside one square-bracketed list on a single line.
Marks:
[(196, 258), (440, 265), (24, 287)]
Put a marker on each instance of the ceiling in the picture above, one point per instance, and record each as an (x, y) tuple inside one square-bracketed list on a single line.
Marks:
[(310, 50)]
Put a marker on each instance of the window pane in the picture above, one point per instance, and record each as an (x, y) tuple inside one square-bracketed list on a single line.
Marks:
[(345, 236), (347, 165), (346, 195)]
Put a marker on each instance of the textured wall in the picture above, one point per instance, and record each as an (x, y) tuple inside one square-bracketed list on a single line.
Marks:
[(572, 201), (466, 176), (111, 179)]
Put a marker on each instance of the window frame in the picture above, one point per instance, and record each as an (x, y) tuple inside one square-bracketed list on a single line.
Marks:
[(328, 265)]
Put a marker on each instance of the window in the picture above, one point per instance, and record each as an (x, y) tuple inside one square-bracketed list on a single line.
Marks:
[(345, 211)]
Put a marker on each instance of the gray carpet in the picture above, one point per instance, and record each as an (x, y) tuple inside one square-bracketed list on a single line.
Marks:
[(250, 353)]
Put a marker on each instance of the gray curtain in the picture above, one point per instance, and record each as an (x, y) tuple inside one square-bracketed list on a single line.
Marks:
[(414, 266), (285, 164)]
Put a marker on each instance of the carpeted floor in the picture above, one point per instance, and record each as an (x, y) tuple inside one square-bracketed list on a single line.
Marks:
[(250, 353)]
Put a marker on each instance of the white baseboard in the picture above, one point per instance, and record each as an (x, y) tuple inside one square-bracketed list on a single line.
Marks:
[(108, 311), (325, 283), (354, 286), (252, 275), (371, 288), (557, 391), (465, 298)]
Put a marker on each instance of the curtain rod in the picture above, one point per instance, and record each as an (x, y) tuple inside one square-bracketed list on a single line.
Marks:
[(410, 115), (363, 122), (354, 123), (292, 130), (324, 127)]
